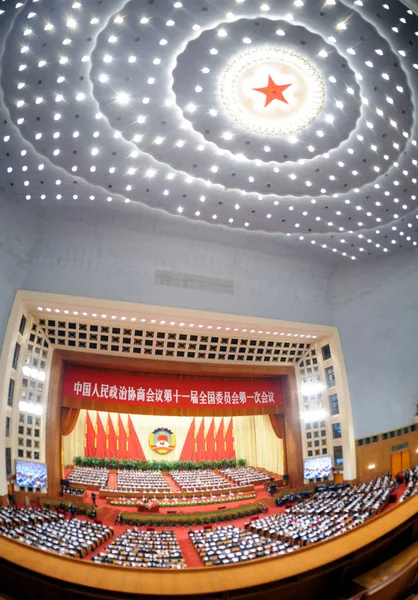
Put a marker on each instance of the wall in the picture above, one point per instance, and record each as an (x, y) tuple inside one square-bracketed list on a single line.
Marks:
[(113, 254), (375, 306), (100, 253), (379, 454), (16, 245)]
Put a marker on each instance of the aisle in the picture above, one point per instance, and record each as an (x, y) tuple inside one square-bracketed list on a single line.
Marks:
[(188, 551), (173, 485), (113, 480)]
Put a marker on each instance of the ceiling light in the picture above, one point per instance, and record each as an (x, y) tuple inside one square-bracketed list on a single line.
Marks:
[(122, 98)]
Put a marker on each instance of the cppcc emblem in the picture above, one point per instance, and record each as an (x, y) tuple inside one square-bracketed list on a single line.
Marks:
[(162, 440)]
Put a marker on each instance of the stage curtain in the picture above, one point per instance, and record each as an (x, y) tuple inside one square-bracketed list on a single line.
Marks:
[(133, 445), (277, 422), (187, 452), (100, 439), (230, 440), (120, 439), (73, 444), (110, 438), (211, 441), (255, 439), (69, 418), (257, 443), (200, 442), (89, 436), (220, 440)]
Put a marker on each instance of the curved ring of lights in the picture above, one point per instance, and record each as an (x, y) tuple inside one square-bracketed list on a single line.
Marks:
[(120, 101)]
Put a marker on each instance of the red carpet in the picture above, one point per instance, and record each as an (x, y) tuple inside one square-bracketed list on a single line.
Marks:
[(173, 485), (113, 480), (187, 549)]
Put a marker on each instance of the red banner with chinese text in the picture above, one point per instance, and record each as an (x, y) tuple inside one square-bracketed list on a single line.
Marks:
[(128, 388)]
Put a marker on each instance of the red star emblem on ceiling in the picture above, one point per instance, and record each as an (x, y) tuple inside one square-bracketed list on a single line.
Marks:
[(273, 91)]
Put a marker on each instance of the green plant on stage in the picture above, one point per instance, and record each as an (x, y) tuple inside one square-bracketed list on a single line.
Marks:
[(192, 518), (123, 463), (54, 504), (232, 462), (114, 462), (140, 464), (86, 461), (224, 463), (105, 462), (215, 464), (242, 462), (131, 464), (133, 502), (78, 461), (96, 462)]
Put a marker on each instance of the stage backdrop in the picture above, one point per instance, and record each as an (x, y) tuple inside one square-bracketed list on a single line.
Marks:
[(196, 438)]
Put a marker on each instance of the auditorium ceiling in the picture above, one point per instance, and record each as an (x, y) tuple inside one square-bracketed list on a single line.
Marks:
[(294, 119), (136, 330)]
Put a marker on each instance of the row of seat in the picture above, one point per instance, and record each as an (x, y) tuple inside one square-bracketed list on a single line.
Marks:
[(228, 545), (89, 476), (200, 481), (143, 549), (50, 531), (141, 480), (411, 479), (245, 475), (326, 514)]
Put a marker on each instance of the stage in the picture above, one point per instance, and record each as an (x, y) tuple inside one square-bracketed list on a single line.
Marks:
[(252, 415)]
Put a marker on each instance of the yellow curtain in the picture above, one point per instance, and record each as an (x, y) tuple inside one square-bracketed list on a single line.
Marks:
[(69, 417), (256, 441)]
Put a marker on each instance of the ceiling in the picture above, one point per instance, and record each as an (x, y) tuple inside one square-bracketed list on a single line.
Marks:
[(137, 330), (293, 118)]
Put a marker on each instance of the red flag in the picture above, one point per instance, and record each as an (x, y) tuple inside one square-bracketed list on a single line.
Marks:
[(188, 451), (110, 438), (211, 442), (230, 441), (100, 442), (90, 434), (220, 451), (133, 445), (120, 440), (200, 442)]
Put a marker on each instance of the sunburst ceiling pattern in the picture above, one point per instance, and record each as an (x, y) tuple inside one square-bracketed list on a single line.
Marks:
[(294, 118)]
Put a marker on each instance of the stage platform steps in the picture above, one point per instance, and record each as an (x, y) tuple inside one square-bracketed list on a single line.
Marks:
[(269, 502), (108, 514)]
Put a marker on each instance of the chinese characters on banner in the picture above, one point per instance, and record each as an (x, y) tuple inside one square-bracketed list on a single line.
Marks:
[(136, 389)]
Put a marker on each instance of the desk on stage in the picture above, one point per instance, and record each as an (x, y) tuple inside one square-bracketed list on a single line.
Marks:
[(148, 507)]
